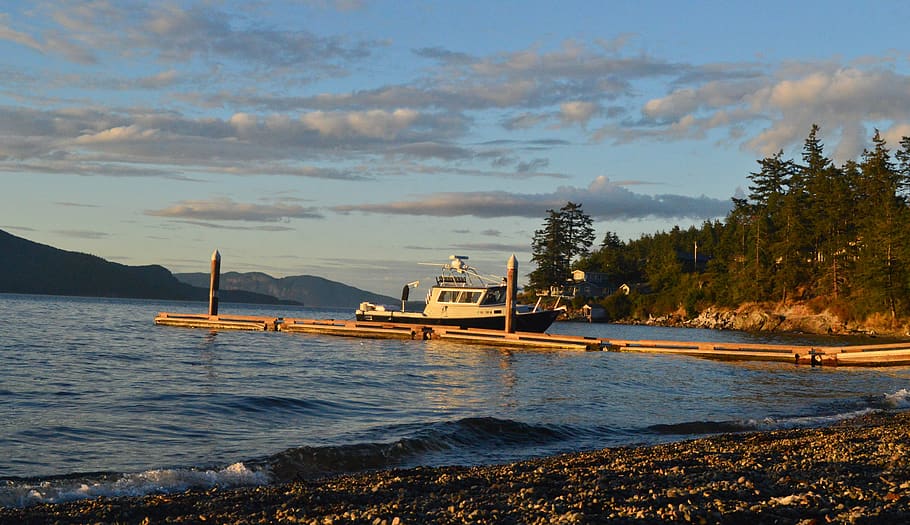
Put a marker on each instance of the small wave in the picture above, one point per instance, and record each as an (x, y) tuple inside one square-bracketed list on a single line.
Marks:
[(270, 404), (898, 400), (462, 438), (251, 404), (24, 493), (772, 423), (696, 428), (701, 427)]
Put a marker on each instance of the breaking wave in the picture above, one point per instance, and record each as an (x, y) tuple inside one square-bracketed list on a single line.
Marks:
[(468, 441), (23, 493), (899, 400), (464, 441)]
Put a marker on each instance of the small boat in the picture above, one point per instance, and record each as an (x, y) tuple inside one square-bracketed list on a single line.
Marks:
[(464, 298)]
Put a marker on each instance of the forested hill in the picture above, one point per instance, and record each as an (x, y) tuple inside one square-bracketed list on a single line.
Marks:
[(836, 238), (33, 268), (306, 289)]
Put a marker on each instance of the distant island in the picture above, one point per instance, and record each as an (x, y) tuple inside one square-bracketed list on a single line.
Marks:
[(308, 290), (33, 268)]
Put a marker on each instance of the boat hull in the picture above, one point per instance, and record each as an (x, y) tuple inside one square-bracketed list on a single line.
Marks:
[(537, 321)]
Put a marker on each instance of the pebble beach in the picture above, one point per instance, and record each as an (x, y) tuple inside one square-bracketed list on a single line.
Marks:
[(856, 471)]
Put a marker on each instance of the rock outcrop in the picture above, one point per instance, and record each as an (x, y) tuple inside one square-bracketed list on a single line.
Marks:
[(793, 317)]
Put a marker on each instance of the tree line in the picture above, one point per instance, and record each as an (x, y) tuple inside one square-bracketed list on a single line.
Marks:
[(837, 237)]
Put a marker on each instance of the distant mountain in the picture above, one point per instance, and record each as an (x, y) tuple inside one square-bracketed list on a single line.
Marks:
[(33, 268), (306, 289)]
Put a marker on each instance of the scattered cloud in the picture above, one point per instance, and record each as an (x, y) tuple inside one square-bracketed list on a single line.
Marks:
[(602, 199), (84, 32), (235, 227), (18, 228), (254, 73), (77, 205), (485, 247), (222, 92), (376, 124), (82, 234), (844, 101), (225, 209), (18, 37), (577, 112)]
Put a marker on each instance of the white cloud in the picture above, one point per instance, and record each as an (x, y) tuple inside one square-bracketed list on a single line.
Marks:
[(376, 124), (118, 134), (160, 80), (225, 209), (577, 112), (845, 101), (602, 199), (894, 134), (248, 110), (18, 37)]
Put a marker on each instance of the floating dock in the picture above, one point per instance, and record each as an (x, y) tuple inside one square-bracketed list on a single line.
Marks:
[(363, 329), (218, 322), (897, 354), (893, 354)]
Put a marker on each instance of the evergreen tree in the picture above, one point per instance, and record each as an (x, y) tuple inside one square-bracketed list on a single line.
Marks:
[(731, 271), (577, 230), (805, 231), (816, 177), (882, 229), (566, 234), (774, 223), (547, 251)]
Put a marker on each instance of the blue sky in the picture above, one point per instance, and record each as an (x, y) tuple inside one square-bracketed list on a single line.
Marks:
[(353, 139)]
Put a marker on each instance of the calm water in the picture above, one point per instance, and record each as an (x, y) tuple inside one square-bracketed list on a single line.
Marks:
[(96, 400)]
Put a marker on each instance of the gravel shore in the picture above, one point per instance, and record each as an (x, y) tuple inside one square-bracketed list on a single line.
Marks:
[(857, 471)]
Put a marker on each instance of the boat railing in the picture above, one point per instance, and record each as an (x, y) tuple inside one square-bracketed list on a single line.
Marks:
[(451, 279)]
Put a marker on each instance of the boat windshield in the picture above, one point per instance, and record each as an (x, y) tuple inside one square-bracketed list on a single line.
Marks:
[(495, 296), (459, 296)]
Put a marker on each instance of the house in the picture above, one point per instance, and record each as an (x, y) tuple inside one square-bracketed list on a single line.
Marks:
[(588, 284), (584, 284)]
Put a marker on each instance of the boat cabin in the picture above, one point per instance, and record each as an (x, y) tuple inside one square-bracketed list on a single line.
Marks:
[(455, 301)]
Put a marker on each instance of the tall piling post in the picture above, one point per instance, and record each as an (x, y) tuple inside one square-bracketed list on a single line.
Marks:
[(213, 285), (511, 293)]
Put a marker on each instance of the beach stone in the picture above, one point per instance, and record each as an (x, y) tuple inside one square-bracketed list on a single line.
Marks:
[(784, 476)]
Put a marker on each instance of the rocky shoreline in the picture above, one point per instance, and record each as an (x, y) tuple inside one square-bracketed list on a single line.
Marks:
[(791, 318), (857, 471)]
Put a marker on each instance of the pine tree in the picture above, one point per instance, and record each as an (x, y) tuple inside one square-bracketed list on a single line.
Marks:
[(882, 229), (577, 229), (566, 234), (548, 249), (773, 207)]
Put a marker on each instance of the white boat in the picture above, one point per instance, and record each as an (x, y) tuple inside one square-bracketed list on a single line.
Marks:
[(464, 298)]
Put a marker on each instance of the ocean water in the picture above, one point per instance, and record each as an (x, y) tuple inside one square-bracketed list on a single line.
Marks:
[(96, 400)]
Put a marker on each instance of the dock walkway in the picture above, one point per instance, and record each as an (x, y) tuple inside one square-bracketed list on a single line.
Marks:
[(893, 354)]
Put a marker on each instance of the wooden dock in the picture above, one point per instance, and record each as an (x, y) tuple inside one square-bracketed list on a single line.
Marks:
[(370, 330), (218, 322), (893, 354), (516, 339)]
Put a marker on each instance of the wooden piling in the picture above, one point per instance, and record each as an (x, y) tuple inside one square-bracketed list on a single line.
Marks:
[(511, 274), (214, 283)]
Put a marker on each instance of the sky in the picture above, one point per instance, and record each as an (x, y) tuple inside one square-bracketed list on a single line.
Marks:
[(353, 140)]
